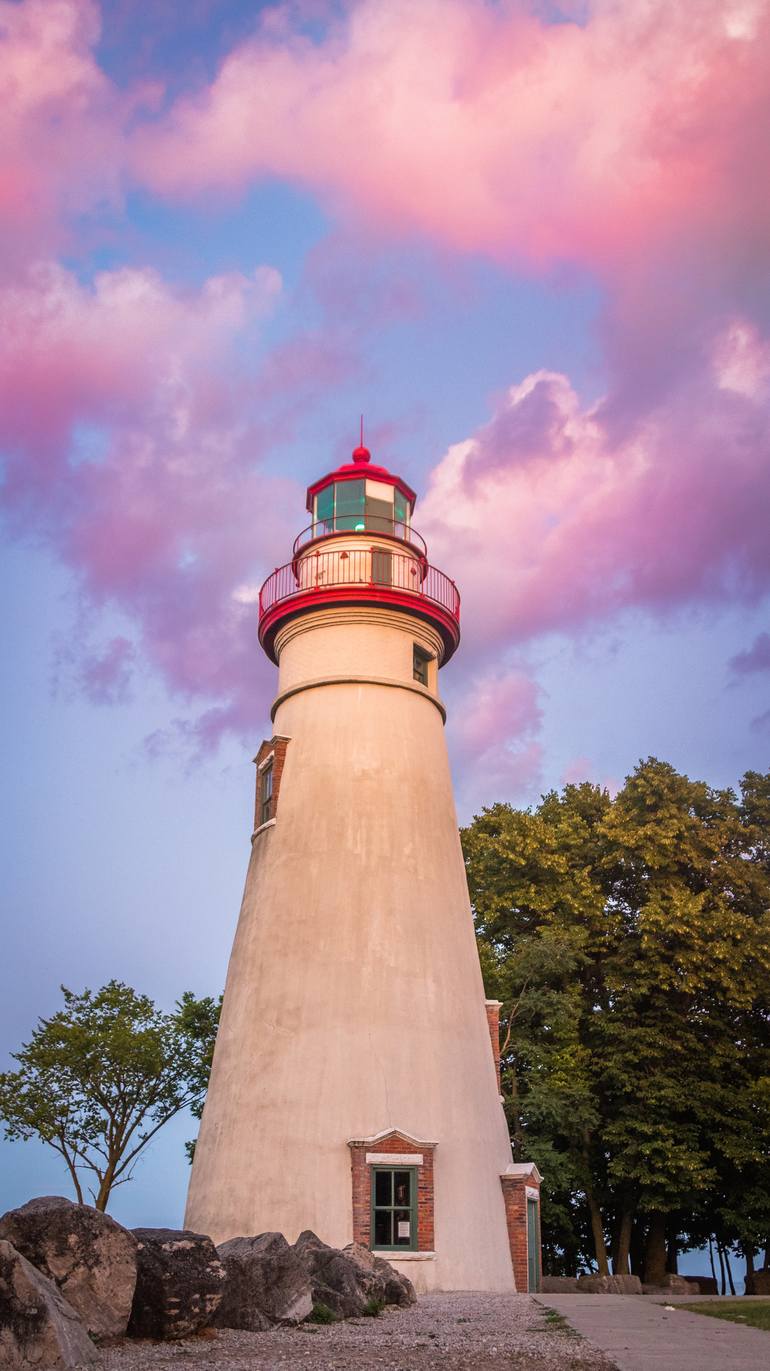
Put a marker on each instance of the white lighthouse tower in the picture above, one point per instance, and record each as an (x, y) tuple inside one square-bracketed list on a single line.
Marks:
[(354, 1090)]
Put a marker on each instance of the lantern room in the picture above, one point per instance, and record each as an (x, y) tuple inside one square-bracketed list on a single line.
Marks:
[(360, 497)]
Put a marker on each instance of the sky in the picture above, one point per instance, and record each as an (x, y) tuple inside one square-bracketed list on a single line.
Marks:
[(531, 243)]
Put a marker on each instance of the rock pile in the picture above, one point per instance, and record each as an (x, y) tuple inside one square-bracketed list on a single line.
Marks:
[(71, 1278)]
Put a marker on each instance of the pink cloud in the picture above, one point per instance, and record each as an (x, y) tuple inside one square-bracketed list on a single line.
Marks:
[(164, 510), (488, 130), (492, 732), (552, 520), (61, 143)]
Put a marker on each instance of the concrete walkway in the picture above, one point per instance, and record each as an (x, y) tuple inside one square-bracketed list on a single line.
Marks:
[(642, 1335)]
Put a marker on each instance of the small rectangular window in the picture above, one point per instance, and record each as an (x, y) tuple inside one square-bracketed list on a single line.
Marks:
[(266, 794), (394, 1209), (420, 662)]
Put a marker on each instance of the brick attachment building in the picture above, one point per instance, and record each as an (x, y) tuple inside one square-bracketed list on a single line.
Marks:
[(355, 1088)]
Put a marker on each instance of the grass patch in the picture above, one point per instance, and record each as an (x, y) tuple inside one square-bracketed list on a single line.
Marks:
[(321, 1313), (557, 1322), (752, 1313), (374, 1307)]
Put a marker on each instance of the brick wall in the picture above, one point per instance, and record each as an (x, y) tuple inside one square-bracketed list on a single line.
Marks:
[(515, 1196), (362, 1187), (493, 1023), (277, 745)]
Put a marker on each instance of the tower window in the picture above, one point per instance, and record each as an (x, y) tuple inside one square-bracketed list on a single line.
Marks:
[(266, 794), (420, 660), (394, 1208)]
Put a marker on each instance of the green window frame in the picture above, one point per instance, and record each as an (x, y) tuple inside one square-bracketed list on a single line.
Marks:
[(266, 793), (390, 1211)]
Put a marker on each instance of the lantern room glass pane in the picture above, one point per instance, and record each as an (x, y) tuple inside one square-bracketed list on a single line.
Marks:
[(349, 505), (324, 509), (400, 513)]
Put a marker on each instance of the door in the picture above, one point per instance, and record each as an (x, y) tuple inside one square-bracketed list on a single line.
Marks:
[(533, 1246)]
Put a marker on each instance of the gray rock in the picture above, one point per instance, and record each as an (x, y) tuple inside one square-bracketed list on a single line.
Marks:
[(673, 1285), (88, 1255), (345, 1281), (179, 1286), (609, 1285), (267, 1282), (38, 1328), (559, 1285)]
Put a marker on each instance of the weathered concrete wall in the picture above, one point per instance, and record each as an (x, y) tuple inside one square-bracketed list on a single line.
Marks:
[(354, 1001)]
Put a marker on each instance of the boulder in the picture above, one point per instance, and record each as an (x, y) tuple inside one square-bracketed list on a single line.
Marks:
[(673, 1285), (609, 1285), (706, 1285), (88, 1255), (38, 1328), (559, 1285), (757, 1282), (266, 1282), (179, 1286), (347, 1281)]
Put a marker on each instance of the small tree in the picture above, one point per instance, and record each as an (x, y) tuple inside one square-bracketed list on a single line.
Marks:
[(99, 1079)]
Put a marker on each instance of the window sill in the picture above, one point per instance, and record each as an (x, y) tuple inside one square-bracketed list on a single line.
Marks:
[(393, 1255), (262, 827)]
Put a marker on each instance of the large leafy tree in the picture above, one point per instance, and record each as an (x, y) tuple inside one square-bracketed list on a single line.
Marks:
[(628, 939), (102, 1075)]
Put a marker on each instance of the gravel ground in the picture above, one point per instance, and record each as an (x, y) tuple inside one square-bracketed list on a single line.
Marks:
[(456, 1332)]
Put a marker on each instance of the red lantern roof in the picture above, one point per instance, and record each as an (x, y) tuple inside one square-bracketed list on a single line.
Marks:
[(360, 466)]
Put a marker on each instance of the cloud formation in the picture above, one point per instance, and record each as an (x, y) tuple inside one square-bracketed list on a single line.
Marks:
[(141, 467), (675, 513)]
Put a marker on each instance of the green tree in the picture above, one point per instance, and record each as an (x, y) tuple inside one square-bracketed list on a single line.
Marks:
[(628, 940), (100, 1077)]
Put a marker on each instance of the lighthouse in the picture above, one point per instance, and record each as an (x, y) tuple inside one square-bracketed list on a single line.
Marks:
[(355, 1083)]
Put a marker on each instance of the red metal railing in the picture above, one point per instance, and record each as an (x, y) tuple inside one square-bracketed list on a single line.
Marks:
[(376, 568), (360, 524)]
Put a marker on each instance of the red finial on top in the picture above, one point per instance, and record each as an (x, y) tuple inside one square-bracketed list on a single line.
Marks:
[(362, 454)]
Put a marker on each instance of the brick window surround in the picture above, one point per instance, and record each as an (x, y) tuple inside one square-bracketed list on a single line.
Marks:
[(390, 1148), (520, 1182), (271, 753)]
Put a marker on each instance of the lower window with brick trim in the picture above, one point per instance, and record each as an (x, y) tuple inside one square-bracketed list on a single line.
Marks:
[(392, 1200)]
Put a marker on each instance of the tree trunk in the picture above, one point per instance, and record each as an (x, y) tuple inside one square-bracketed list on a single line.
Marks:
[(729, 1272), (655, 1255), (623, 1251), (597, 1232), (711, 1259), (722, 1286), (748, 1253), (672, 1255), (638, 1244)]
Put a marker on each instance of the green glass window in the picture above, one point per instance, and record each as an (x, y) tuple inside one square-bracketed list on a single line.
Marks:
[(324, 509), (394, 1208), (400, 513), (349, 505)]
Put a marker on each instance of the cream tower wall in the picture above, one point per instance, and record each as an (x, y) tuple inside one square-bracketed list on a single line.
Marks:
[(354, 1001)]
